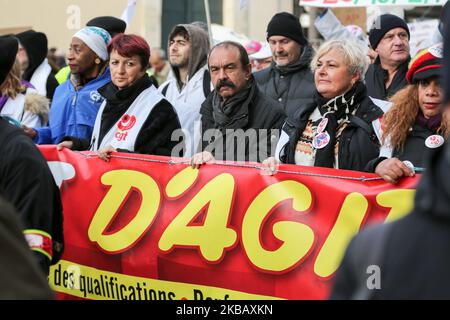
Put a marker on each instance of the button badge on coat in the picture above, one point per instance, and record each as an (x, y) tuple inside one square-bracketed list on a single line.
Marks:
[(322, 125), (321, 140), (434, 141)]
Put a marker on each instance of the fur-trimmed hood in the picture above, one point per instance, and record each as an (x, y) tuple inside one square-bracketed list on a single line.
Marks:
[(37, 104)]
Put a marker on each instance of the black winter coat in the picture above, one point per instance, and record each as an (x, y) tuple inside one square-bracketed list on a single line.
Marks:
[(414, 149), (298, 85), (263, 113), (358, 143), (28, 184), (376, 78), (412, 253)]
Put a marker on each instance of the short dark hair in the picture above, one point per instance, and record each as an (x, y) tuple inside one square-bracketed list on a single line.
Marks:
[(128, 45), (179, 31), (245, 60)]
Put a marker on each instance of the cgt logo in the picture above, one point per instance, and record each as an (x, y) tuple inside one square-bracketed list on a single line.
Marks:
[(95, 96), (126, 123)]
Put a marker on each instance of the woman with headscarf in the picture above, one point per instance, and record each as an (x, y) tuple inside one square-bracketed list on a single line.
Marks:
[(336, 130), (76, 102), (20, 103), (414, 125), (134, 117)]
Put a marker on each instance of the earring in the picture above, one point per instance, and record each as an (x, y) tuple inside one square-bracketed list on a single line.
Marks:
[(97, 61)]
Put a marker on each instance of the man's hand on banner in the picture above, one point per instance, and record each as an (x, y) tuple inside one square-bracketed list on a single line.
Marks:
[(201, 158)]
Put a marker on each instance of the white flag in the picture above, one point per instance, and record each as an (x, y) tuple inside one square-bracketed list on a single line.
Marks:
[(243, 4), (129, 11)]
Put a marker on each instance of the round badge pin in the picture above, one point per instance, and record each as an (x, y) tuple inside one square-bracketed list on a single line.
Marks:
[(322, 125), (434, 141), (321, 140)]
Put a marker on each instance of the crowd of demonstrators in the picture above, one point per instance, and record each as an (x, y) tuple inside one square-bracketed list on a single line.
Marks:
[(20, 103), (76, 102), (289, 79), (234, 108), (33, 50), (190, 84), (325, 105), (27, 183), (414, 125), (134, 117), (335, 130)]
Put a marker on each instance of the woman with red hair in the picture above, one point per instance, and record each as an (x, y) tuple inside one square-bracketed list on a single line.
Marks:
[(415, 125), (134, 117)]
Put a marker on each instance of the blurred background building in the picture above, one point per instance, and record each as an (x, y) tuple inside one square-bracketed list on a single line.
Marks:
[(153, 19)]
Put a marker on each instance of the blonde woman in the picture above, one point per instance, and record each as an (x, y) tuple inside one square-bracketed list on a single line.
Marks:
[(336, 130)]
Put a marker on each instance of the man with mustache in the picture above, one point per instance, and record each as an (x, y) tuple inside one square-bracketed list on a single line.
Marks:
[(239, 123), (289, 79), (389, 37)]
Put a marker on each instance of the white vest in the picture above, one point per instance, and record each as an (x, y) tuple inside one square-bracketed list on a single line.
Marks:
[(124, 133)]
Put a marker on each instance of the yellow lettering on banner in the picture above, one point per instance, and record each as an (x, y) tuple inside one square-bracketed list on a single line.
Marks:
[(400, 201), (181, 182), (213, 236), (347, 225), (298, 238), (121, 182)]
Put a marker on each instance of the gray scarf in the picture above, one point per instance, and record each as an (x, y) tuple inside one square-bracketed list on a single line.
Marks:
[(233, 113)]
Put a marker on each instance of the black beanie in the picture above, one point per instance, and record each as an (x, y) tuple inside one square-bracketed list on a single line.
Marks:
[(286, 25), (113, 25), (8, 51), (382, 25), (36, 46)]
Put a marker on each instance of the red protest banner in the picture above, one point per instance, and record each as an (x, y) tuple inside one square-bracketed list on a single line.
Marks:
[(146, 227)]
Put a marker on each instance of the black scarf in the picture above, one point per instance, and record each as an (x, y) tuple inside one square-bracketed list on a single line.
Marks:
[(118, 102), (233, 113), (337, 110)]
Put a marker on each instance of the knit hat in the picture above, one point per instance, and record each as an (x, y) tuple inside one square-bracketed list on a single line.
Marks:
[(8, 51), (36, 46), (286, 25), (111, 24), (426, 64), (384, 24), (97, 39)]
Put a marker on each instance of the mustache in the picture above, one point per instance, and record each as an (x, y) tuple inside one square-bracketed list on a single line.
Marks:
[(225, 83)]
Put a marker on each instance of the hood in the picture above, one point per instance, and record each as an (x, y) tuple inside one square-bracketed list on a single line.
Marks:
[(36, 45), (200, 46), (35, 103)]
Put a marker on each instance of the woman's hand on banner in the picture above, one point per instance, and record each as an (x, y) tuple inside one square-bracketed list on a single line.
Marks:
[(269, 166)]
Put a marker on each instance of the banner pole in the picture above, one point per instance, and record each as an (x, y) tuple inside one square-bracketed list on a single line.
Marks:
[(208, 21)]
